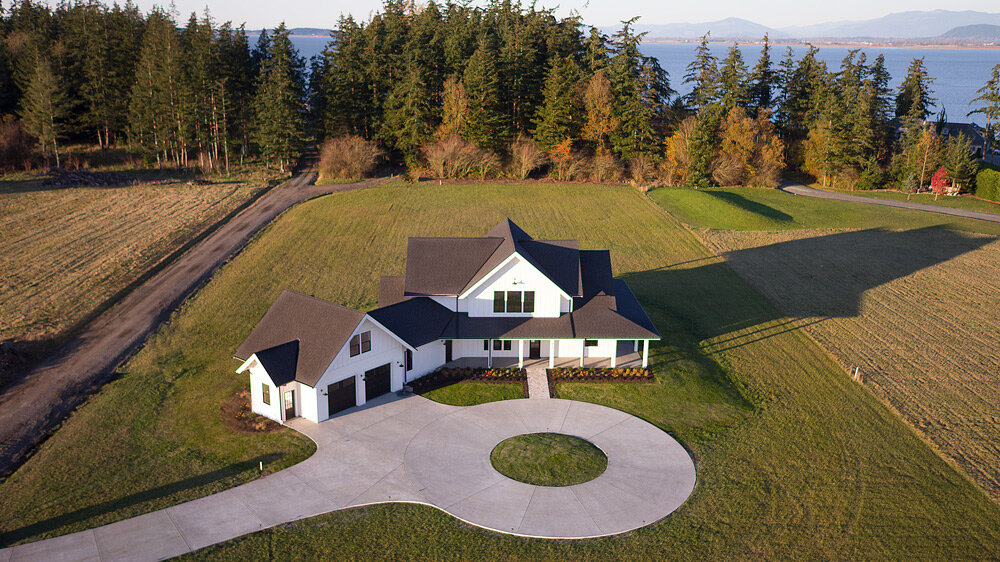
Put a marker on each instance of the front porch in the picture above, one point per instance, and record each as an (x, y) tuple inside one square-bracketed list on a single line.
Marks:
[(626, 356)]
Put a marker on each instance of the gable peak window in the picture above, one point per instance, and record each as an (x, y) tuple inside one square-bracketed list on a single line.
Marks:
[(361, 343), (513, 301)]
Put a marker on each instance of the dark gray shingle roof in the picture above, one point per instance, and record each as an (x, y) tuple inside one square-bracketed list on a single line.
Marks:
[(417, 321), (320, 327)]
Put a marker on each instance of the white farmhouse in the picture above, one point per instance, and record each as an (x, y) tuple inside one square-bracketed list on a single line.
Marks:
[(497, 300)]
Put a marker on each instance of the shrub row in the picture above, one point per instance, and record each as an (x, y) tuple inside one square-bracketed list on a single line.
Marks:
[(449, 375), (988, 184), (618, 374)]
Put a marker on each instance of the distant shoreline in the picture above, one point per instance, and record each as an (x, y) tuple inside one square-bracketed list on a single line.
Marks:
[(826, 43)]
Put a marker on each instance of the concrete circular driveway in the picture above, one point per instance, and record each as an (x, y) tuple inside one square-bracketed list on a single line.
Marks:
[(649, 474), (411, 449)]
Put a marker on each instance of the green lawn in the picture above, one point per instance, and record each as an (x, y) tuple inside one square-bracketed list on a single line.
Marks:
[(470, 393), (795, 460), (770, 209), (549, 459)]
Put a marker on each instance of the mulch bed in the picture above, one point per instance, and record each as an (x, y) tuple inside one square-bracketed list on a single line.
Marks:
[(577, 374), (237, 416), (446, 376)]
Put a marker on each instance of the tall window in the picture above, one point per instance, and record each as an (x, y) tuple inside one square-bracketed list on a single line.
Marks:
[(498, 302), (265, 393), (409, 360), (513, 301), (361, 343), (529, 301)]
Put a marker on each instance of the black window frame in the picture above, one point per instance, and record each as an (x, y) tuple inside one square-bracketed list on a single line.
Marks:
[(507, 345), (486, 345), (265, 395), (497, 345), (590, 343), (355, 345), (408, 356), (366, 341), (499, 301), (514, 297), (528, 302)]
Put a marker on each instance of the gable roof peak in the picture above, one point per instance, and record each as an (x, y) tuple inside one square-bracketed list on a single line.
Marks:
[(507, 229)]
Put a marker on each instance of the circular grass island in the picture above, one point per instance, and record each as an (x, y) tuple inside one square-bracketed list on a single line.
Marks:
[(548, 459)]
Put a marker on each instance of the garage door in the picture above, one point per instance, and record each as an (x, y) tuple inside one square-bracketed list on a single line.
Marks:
[(341, 395), (377, 381)]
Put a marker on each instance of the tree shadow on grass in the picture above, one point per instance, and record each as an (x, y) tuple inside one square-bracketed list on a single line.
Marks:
[(813, 278), (83, 514), (750, 206)]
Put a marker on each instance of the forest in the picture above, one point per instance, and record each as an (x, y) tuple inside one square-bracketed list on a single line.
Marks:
[(457, 90)]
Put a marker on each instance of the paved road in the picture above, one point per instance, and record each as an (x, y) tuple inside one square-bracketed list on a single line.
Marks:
[(797, 189), (414, 450), (49, 392)]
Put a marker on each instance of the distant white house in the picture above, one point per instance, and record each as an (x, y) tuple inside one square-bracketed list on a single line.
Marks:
[(499, 299)]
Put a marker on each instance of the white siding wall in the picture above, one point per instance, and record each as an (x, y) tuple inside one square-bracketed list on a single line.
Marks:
[(547, 295), (309, 403), (258, 377), (427, 358), (573, 348), (447, 302)]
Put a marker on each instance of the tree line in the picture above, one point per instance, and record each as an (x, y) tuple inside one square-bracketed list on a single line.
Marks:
[(180, 96), (458, 89)]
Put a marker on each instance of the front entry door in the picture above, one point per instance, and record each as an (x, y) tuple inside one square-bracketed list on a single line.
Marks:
[(447, 351), (341, 396), (378, 381), (289, 404), (535, 349)]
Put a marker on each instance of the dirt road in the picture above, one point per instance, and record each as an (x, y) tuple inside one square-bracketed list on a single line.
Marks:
[(797, 189), (31, 408)]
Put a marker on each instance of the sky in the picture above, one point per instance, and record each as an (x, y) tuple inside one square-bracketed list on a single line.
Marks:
[(773, 13)]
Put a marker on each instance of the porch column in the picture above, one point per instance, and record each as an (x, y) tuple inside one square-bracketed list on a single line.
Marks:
[(645, 353), (583, 351), (520, 354), (552, 354), (635, 346), (614, 353), (489, 354)]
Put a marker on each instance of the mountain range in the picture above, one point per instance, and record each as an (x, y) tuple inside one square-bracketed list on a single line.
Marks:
[(902, 25)]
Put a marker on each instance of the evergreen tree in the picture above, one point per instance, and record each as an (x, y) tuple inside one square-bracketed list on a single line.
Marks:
[(279, 102), (914, 101), (959, 162), (562, 114), (485, 124), (762, 80), (703, 75), (989, 100), (733, 79), (641, 90), (595, 56), (43, 107)]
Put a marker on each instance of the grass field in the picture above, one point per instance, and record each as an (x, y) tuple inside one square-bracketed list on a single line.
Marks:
[(795, 459), (470, 393), (769, 209), (549, 459), (66, 251)]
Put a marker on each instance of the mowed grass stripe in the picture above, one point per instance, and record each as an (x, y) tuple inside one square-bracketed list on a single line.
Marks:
[(795, 459)]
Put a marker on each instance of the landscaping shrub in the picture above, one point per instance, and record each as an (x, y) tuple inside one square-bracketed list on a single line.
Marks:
[(349, 157), (618, 374), (16, 145), (988, 184), (450, 375), (525, 157)]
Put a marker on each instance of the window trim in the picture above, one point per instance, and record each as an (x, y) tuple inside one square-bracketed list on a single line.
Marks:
[(361, 343), (408, 359), (499, 302), (507, 346), (511, 301), (265, 393), (497, 345)]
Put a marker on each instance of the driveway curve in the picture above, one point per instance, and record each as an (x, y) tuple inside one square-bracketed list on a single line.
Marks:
[(411, 449), (798, 189)]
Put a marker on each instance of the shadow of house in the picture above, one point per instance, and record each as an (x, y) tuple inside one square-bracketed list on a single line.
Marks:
[(815, 278), (751, 206)]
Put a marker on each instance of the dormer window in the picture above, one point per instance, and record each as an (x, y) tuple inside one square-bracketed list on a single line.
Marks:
[(361, 343), (513, 301)]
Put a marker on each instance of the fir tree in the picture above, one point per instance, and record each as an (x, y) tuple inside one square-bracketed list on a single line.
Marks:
[(279, 103), (989, 100), (43, 107), (562, 113), (641, 90), (914, 101), (762, 80), (485, 124), (959, 161), (703, 75)]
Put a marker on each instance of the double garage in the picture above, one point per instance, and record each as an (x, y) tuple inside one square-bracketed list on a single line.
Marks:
[(343, 394)]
